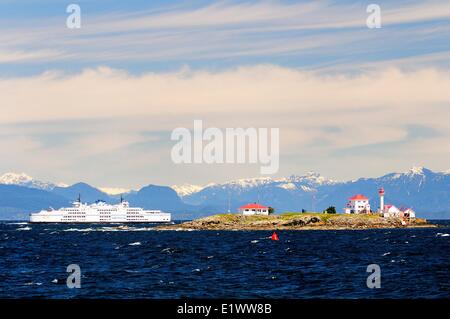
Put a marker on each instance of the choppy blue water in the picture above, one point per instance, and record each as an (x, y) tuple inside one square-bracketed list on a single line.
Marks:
[(143, 263)]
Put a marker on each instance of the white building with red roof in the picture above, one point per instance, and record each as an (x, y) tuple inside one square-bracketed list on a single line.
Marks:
[(358, 204), (391, 211), (254, 209), (409, 213)]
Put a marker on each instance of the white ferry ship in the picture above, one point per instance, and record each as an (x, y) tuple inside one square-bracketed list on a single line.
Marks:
[(100, 212)]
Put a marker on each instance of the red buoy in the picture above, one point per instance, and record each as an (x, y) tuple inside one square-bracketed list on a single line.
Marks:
[(274, 236)]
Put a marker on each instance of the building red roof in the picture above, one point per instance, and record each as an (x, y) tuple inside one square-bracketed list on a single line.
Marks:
[(253, 206), (358, 197)]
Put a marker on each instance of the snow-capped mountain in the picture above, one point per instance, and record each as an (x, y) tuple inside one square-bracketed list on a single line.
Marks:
[(310, 178), (426, 191), (307, 182), (186, 189), (115, 190), (278, 191), (22, 179)]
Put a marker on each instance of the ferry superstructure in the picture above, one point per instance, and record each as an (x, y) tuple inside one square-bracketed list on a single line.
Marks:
[(100, 212)]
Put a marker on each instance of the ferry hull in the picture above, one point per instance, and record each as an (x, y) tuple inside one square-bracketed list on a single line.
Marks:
[(35, 218), (100, 212)]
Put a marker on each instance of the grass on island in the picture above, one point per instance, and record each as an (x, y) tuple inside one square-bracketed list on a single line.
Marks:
[(292, 215), (323, 216), (288, 219)]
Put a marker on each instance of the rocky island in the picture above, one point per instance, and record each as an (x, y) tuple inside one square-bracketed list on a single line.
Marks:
[(295, 221)]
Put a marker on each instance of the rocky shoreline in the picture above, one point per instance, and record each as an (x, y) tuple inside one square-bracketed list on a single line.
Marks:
[(294, 221)]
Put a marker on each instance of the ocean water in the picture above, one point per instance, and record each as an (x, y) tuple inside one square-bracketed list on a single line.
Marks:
[(140, 262)]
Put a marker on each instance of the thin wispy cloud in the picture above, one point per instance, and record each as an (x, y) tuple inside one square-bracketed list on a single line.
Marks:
[(24, 56), (227, 30)]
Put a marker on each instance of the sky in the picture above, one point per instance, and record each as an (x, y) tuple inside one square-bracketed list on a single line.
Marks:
[(98, 103)]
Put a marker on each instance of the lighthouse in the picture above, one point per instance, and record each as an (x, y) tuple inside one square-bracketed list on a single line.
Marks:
[(381, 193)]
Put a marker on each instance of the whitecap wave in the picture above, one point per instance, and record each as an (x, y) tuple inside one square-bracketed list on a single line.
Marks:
[(125, 229), (33, 284), (138, 243), (80, 229), (176, 229), (442, 235), (110, 229), (24, 228), (142, 229)]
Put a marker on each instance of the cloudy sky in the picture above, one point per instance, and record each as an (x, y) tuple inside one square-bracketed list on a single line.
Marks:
[(98, 104)]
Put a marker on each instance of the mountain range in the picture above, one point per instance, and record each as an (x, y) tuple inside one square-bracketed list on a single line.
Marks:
[(427, 192)]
